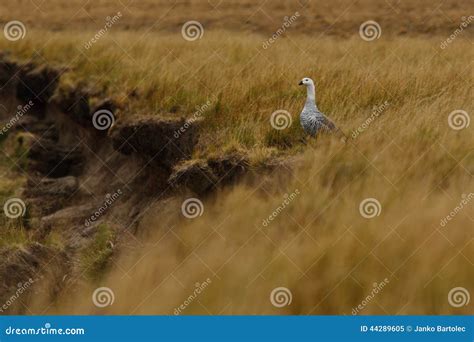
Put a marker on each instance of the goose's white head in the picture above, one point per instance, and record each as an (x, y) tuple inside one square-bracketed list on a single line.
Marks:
[(306, 81)]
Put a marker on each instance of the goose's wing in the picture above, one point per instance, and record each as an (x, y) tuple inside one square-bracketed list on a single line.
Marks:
[(329, 126)]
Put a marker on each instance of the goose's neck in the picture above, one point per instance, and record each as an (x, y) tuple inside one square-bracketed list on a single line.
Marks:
[(311, 96)]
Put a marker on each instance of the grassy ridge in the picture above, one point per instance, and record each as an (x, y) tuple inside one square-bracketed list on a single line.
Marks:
[(244, 83)]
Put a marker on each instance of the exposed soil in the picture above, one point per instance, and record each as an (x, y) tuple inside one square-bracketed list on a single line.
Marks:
[(80, 177)]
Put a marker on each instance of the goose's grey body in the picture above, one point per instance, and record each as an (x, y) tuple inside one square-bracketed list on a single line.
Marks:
[(311, 119)]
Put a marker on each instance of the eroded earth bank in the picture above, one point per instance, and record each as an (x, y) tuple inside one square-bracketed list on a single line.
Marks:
[(87, 176)]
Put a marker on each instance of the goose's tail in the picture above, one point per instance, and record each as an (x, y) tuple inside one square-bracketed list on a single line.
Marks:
[(340, 134)]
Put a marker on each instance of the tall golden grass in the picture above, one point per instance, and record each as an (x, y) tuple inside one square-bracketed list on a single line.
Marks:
[(174, 77), (319, 246)]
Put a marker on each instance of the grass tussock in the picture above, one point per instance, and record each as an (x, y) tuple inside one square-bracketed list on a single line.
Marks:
[(95, 257), (12, 231)]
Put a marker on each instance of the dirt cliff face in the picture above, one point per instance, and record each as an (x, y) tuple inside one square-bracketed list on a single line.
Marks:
[(87, 169)]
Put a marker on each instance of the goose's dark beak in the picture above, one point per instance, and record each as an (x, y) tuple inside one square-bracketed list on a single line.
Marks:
[(301, 83)]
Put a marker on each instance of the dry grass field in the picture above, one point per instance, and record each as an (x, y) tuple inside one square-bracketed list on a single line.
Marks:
[(302, 226), (334, 18)]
